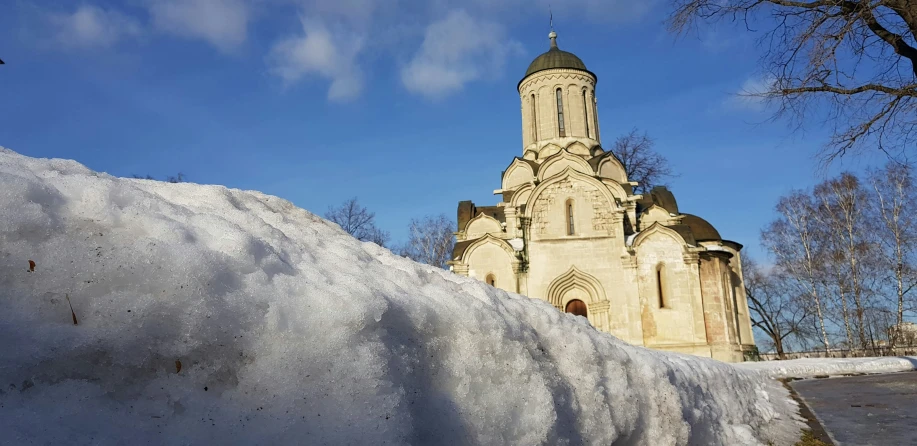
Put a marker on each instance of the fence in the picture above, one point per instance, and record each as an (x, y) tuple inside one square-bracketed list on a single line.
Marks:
[(845, 353)]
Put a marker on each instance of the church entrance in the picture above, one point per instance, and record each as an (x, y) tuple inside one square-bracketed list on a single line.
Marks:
[(576, 307)]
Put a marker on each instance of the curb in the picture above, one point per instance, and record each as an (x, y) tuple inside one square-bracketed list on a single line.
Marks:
[(816, 425)]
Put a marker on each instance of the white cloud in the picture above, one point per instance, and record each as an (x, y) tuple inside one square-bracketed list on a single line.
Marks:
[(567, 13), (440, 46), (749, 96), (322, 52), (222, 23), (456, 50), (90, 26)]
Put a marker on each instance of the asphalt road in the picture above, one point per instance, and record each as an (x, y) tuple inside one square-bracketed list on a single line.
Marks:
[(878, 410)]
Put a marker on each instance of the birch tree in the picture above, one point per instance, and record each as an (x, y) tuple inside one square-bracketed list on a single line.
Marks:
[(792, 241), (841, 204), (431, 241), (894, 195)]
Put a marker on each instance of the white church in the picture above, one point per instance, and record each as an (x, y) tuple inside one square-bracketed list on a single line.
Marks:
[(570, 230)]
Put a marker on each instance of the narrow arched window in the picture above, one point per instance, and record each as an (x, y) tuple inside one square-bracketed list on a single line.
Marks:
[(568, 210), (595, 117), (660, 284), (534, 121), (730, 296), (491, 280), (560, 113), (585, 113)]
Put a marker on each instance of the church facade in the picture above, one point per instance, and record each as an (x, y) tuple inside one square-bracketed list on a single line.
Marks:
[(571, 231)]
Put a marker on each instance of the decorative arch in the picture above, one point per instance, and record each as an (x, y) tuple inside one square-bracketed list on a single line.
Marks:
[(521, 195), (549, 150), (557, 74), (569, 173), (503, 244), (658, 229), (574, 279), (482, 224), (572, 161), (616, 188), (610, 167), (518, 172), (653, 214), (578, 148)]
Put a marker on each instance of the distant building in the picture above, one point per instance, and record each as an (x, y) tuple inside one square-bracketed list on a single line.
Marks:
[(906, 333), (570, 230)]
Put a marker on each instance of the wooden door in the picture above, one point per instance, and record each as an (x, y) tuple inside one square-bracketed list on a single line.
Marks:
[(576, 307)]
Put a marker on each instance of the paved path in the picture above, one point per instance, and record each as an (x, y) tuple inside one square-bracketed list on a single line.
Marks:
[(869, 410)]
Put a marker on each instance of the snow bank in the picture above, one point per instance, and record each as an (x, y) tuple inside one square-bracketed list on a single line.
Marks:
[(287, 330), (810, 367)]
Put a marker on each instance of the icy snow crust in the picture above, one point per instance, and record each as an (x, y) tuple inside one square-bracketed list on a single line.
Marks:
[(289, 331), (810, 367)]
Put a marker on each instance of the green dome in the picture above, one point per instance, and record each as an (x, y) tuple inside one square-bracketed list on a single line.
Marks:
[(555, 58)]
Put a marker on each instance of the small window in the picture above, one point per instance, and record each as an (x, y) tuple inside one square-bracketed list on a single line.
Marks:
[(569, 211), (660, 284), (491, 280), (585, 113), (560, 113)]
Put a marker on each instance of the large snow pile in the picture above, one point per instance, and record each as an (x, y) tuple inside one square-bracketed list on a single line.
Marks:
[(810, 367), (288, 331)]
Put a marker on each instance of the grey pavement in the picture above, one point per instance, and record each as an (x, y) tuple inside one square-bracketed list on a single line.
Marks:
[(865, 410)]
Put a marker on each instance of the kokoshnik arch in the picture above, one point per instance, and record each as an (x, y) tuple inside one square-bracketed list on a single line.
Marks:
[(570, 230)]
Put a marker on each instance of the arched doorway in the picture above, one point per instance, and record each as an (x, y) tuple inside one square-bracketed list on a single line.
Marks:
[(577, 307)]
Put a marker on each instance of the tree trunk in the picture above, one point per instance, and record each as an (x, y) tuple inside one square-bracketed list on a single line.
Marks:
[(846, 314), (821, 318)]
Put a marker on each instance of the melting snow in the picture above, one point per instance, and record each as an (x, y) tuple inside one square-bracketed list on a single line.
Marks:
[(810, 367), (208, 315)]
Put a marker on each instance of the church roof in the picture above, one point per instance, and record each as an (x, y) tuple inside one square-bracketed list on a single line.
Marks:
[(555, 58), (660, 196), (702, 229)]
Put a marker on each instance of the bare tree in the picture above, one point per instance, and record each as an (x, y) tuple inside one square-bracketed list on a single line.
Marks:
[(858, 57), (841, 211), (179, 178), (641, 163), (357, 221), (895, 190), (775, 310), (431, 241), (793, 242)]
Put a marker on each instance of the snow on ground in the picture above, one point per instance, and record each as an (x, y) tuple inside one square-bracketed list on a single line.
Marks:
[(287, 330), (810, 367)]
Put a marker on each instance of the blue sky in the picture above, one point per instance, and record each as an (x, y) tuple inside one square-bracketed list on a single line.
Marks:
[(409, 105)]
